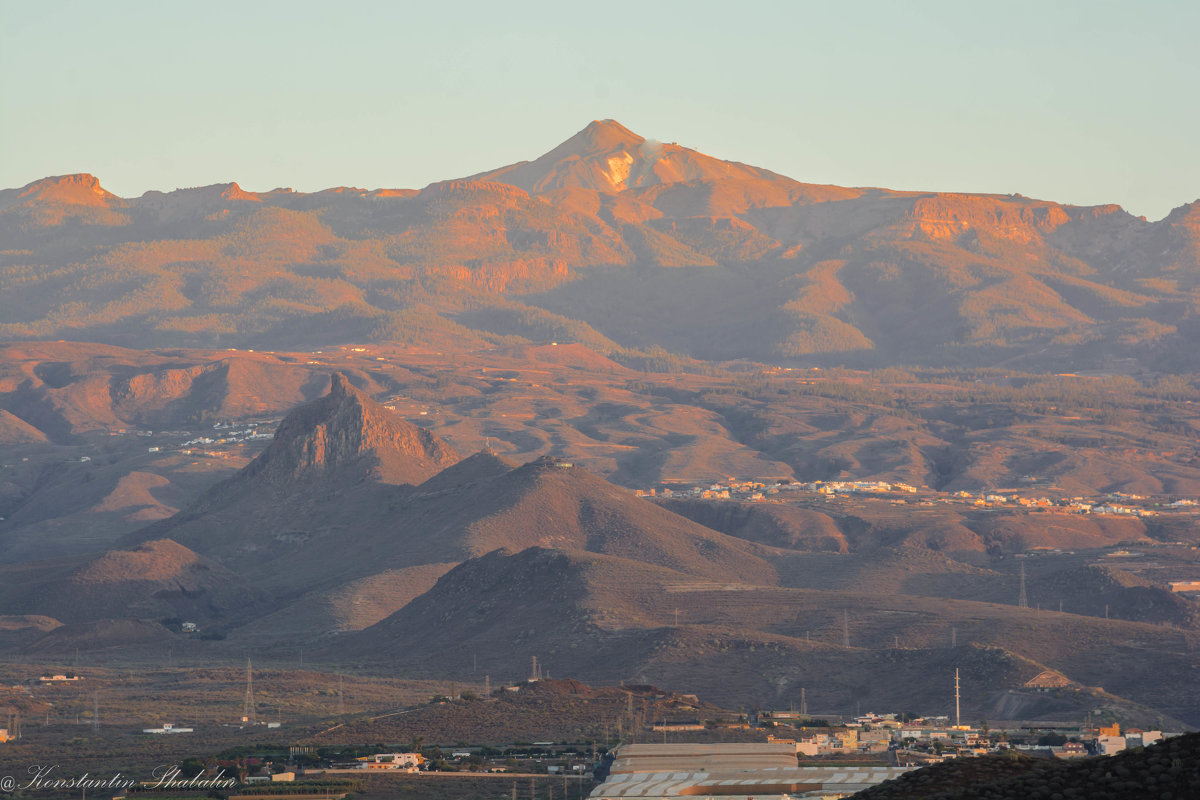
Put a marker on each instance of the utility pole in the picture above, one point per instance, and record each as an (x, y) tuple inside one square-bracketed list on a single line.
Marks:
[(1022, 598)]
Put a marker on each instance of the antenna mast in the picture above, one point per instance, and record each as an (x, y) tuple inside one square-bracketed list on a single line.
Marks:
[(1022, 598), (957, 715), (248, 704)]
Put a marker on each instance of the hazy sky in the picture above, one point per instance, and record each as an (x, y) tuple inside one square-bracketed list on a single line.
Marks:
[(1080, 102)]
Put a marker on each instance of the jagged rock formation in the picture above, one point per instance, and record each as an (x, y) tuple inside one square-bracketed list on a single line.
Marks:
[(348, 435)]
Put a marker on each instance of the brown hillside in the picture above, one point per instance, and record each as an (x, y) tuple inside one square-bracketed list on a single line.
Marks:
[(99, 635), (786, 527), (156, 580), (548, 503), (596, 617), (14, 430)]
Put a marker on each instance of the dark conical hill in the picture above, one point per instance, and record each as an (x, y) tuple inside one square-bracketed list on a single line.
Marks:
[(513, 605), (153, 580), (551, 503), (480, 466)]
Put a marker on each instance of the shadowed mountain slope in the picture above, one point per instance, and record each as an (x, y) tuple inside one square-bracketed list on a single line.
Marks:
[(602, 618), (155, 580)]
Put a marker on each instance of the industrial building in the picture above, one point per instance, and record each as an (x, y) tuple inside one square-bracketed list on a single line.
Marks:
[(729, 772)]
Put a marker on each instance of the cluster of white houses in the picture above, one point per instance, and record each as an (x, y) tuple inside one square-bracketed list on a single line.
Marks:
[(1117, 503)]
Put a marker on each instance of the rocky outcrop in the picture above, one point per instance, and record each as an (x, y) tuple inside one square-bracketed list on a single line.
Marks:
[(347, 435)]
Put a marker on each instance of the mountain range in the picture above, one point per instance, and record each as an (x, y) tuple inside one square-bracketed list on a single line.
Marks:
[(370, 541), (626, 244), (403, 428)]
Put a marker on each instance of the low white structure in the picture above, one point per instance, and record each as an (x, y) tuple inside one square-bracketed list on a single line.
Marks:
[(167, 728), (402, 762)]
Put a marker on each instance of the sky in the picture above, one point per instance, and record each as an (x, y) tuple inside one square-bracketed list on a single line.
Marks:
[(1077, 102)]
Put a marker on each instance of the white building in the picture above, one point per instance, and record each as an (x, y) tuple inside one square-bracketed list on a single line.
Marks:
[(402, 762)]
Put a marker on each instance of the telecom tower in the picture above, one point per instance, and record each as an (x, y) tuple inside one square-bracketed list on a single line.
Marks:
[(248, 704), (1022, 598), (803, 702), (535, 674), (957, 715)]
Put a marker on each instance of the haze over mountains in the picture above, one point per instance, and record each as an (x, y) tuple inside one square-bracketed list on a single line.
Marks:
[(622, 243)]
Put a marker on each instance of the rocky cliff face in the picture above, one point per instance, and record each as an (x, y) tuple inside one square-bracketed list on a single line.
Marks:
[(347, 435)]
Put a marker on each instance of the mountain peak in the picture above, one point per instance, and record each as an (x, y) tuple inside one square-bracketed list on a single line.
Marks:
[(608, 158), (340, 387), (346, 434), (480, 466), (602, 135), (80, 189), (599, 158), (232, 191), (1187, 215)]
